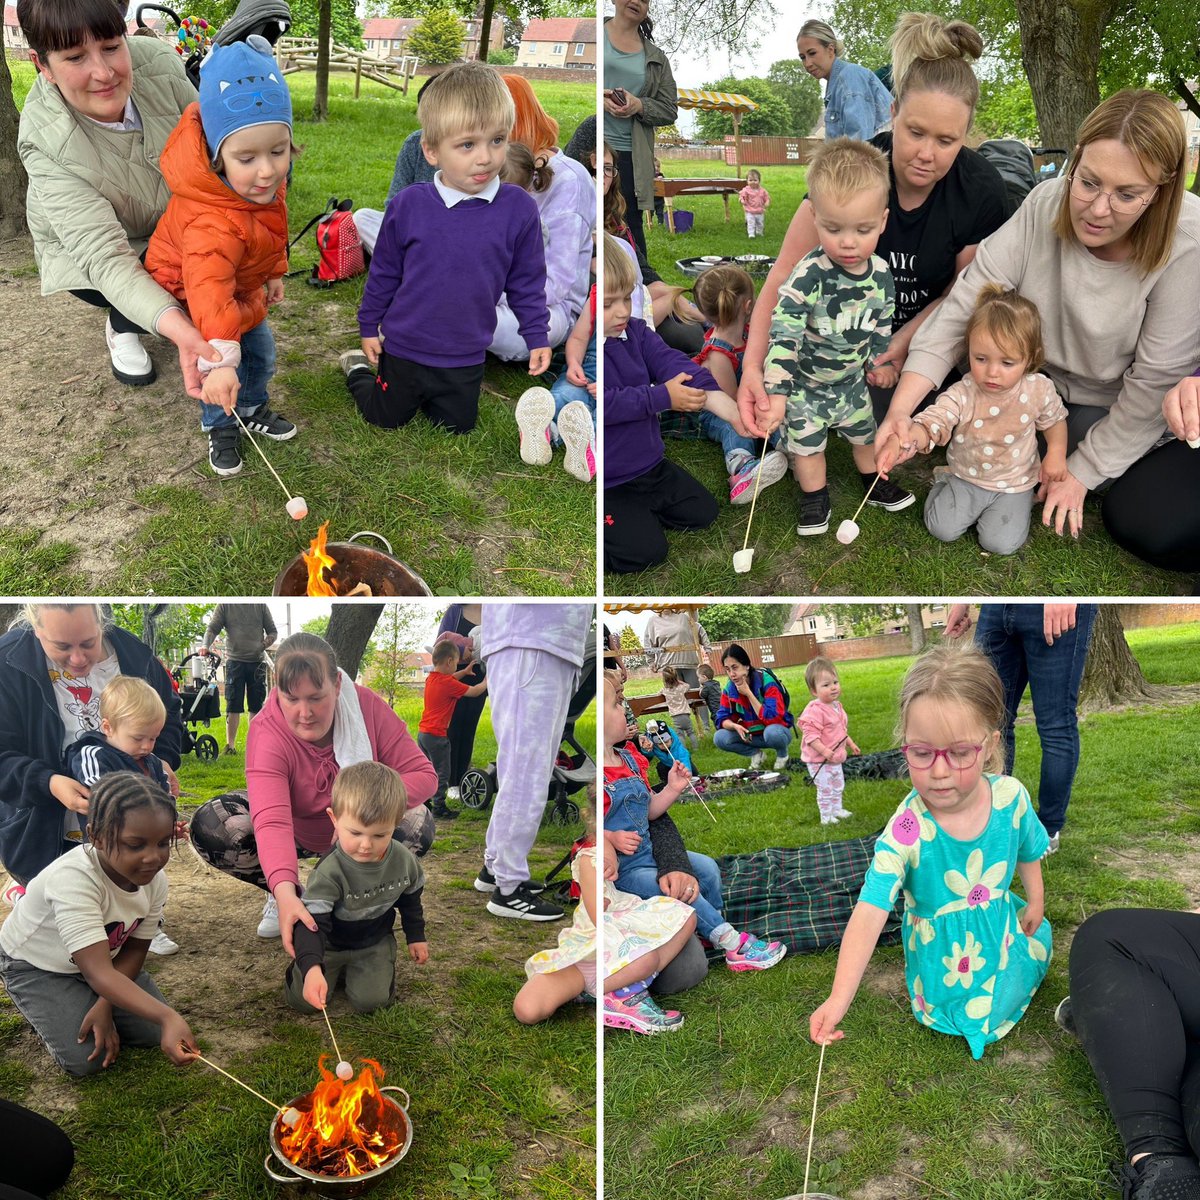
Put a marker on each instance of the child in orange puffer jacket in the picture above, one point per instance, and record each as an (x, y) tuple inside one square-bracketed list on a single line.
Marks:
[(221, 246)]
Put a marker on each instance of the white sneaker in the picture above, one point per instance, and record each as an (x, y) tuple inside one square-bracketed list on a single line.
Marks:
[(577, 432), (162, 944), (781, 764), (843, 813), (535, 411), (756, 760), (829, 820), (452, 793), (268, 927), (130, 362), (1051, 847)]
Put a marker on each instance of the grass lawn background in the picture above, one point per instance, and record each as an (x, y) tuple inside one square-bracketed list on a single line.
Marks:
[(464, 512), (721, 1109), (894, 554), (488, 1094)]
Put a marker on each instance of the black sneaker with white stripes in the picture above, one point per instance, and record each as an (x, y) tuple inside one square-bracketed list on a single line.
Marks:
[(886, 495), (485, 881), (224, 450), (271, 425), (524, 904)]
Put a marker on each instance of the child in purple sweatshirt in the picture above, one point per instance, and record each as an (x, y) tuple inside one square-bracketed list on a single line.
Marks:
[(447, 251), (644, 494)]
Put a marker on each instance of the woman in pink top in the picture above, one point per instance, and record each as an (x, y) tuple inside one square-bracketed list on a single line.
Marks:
[(315, 721)]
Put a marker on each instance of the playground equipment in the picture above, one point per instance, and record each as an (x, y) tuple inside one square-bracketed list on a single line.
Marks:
[(300, 54)]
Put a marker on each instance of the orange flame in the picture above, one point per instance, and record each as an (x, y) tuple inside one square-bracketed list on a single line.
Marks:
[(318, 562), (345, 1128)]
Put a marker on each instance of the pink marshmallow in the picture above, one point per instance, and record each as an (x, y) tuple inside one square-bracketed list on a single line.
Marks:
[(297, 508)]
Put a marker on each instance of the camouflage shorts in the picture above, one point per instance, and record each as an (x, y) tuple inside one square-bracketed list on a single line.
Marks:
[(817, 408)]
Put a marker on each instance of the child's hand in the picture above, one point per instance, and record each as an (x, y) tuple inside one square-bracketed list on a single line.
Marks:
[(624, 841), (1032, 917), (853, 746), (274, 292), (886, 376), (418, 952), (316, 987), (372, 348), (644, 744), (684, 398), (678, 777), (823, 1024), (591, 387), (611, 870), (539, 360), (221, 388), (1054, 468), (98, 1023), (575, 374), (177, 1042)]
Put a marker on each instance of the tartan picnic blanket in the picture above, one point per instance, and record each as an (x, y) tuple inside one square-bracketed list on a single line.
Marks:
[(802, 897)]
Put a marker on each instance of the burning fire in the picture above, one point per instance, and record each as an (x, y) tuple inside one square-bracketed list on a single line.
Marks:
[(320, 566), (345, 1129)]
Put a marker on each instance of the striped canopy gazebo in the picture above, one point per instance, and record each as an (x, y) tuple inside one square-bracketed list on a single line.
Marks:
[(731, 102)]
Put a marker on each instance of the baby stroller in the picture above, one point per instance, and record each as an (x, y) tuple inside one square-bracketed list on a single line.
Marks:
[(574, 769), (193, 36), (201, 702)]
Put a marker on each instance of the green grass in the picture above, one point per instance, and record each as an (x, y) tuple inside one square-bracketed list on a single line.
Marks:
[(721, 1109), (486, 1091), (464, 512), (894, 554)]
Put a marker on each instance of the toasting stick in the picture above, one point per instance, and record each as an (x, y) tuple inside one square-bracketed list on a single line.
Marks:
[(344, 1070), (289, 1115), (665, 743), (297, 506)]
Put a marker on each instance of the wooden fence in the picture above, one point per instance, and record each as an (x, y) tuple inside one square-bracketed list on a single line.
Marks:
[(300, 54)]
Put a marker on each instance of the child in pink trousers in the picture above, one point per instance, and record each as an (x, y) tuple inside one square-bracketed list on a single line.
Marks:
[(826, 739), (755, 200)]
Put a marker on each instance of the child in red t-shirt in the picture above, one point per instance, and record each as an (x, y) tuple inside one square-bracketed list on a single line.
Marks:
[(443, 690)]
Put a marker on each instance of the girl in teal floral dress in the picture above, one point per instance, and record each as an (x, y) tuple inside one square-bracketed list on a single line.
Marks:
[(974, 951)]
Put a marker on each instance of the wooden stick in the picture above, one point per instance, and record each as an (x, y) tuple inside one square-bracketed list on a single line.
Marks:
[(263, 456), (867, 496), (812, 1125), (209, 1063), (667, 747), (757, 481), (325, 1014)]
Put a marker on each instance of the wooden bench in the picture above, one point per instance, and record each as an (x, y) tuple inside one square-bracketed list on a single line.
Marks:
[(652, 706)]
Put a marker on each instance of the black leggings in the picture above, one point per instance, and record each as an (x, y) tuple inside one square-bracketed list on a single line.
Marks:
[(1135, 999), (634, 217), (39, 1155), (1153, 510), (118, 320)]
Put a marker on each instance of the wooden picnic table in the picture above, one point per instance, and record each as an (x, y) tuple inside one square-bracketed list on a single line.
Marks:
[(649, 706), (668, 189)]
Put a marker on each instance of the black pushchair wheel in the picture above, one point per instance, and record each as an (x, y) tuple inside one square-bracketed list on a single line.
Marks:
[(564, 813), (476, 789), (206, 747)]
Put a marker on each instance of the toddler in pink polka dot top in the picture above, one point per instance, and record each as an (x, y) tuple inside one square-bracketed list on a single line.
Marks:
[(989, 423)]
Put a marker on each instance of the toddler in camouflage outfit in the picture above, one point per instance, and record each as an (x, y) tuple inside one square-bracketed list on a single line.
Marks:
[(833, 318)]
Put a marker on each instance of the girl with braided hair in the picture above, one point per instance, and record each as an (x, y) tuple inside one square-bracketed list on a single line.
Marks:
[(72, 953)]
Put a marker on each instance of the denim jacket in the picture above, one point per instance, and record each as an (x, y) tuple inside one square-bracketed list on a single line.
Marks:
[(857, 105)]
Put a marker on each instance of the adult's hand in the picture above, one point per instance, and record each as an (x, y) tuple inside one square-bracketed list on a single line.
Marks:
[(70, 793), (740, 730), (894, 357), (291, 910), (1181, 408), (754, 405), (679, 885), (910, 391), (1062, 504), (175, 325), (743, 686), (959, 620), (1057, 619)]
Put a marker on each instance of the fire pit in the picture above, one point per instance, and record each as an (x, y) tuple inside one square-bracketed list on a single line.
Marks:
[(349, 1135), (348, 569)]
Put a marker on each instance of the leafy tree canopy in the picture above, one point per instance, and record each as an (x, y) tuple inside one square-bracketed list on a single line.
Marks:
[(800, 91), (773, 117), (725, 622), (438, 38)]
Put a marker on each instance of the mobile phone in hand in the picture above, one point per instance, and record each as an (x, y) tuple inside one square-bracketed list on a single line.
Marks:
[(618, 96)]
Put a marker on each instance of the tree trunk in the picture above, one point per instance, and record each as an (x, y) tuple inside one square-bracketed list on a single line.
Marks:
[(1193, 106), (350, 629), (12, 170), (8, 614), (485, 27), (1060, 50), (916, 627), (150, 616), (1112, 676), (321, 92)]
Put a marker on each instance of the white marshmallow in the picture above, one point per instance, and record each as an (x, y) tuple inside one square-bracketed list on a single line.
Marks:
[(290, 1117), (847, 531), (742, 560), (344, 1070), (1194, 443), (297, 508)]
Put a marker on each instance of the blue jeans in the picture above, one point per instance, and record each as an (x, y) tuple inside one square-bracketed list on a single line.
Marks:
[(773, 737), (256, 371), (564, 391), (1011, 635), (718, 430), (643, 881)]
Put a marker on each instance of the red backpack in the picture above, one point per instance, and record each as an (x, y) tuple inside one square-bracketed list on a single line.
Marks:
[(338, 244)]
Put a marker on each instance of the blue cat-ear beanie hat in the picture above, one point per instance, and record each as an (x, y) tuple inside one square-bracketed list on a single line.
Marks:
[(240, 86)]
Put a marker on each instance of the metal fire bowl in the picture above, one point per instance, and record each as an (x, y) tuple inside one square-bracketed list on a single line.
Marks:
[(383, 574), (337, 1185)]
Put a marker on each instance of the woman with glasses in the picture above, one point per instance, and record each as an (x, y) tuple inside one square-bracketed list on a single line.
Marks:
[(1110, 254), (639, 95), (974, 952), (92, 130)]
